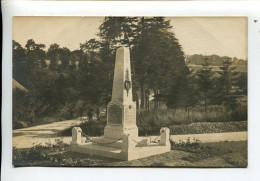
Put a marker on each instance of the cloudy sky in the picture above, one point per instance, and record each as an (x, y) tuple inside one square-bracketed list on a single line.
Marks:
[(197, 35)]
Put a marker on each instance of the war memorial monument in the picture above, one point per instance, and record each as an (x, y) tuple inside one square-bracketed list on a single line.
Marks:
[(120, 140)]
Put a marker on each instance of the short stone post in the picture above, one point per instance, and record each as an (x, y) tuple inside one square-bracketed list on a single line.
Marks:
[(128, 142), (128, 146), (165, 136), (76, 136)]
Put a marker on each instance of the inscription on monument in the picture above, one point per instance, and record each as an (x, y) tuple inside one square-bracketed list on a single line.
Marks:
[(130, 115), (114, 114)]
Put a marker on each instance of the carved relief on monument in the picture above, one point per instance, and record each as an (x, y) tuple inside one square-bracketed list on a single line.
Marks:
[(115, 114)]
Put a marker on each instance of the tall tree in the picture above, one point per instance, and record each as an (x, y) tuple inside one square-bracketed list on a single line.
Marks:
[(34, 62), (156, 54), (225, 83), (35, 54), (154, 50), (19, 56), (54, 55), (205, 84), (65, 57), (241, 82)]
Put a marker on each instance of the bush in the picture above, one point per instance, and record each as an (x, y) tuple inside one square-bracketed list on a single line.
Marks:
[(186, 146), (39, 153), (52, 155), (239, 113), (90, 128), (93, 128), (24, 108), (209, 127)]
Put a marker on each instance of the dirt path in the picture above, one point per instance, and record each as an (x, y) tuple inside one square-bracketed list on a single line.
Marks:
[(48, 133), (26, 137)]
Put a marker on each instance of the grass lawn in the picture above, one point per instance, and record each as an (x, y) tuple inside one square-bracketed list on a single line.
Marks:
[(222, 154)]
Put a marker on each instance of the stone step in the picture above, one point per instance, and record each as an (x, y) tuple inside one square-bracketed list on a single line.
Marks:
[(115, 153), (107, 142), (94, 149)]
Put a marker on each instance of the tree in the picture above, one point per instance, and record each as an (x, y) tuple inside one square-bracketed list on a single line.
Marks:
[(241, 82), (225, 83), (64, 54), (34, 61), (35, 54), (76, 57), (205, 81), (19, 56), (90, 50), (114, 32), (54, 55), (180, 90), (155, 52), (92, 78), (120, 30)]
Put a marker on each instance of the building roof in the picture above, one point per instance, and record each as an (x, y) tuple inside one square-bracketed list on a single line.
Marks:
[(17, 85)]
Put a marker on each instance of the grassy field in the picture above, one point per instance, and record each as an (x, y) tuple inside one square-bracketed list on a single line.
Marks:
[(210, 155), (180, 121), (195, 120)]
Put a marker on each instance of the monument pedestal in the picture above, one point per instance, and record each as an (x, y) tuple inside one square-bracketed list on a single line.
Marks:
[(128, 148), (121, 119), (117, 131), (120, 140)]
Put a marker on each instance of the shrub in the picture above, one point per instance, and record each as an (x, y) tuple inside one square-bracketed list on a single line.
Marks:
[(90, 128), (209, 127), (186, 146), (239, 113), (38, 153), (93, 128), (52, 155), (24, 108)]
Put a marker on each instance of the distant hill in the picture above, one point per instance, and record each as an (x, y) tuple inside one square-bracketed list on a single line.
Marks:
[(197, 59)]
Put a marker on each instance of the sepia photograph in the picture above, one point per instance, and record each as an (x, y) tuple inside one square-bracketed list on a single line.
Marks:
[(137, 91)]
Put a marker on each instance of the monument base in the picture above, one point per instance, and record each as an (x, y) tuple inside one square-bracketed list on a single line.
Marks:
[(127, 148), (119, 154), (117, 131)]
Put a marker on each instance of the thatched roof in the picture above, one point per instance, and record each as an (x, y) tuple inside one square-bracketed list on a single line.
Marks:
[(17, 85)]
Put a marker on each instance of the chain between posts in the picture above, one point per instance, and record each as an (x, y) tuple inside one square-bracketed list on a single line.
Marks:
[(157, 137), (120, 139), (150, 138), (134, 141), (107, 143), (99, 142)]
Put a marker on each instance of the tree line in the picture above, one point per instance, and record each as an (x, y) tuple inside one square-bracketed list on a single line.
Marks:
[(216, 60), (75, 83)]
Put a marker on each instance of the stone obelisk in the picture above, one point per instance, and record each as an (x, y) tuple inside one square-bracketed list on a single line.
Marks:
[(121, 139), (121, 111)]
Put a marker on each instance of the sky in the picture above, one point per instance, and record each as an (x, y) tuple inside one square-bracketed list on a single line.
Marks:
[(224, 36)]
